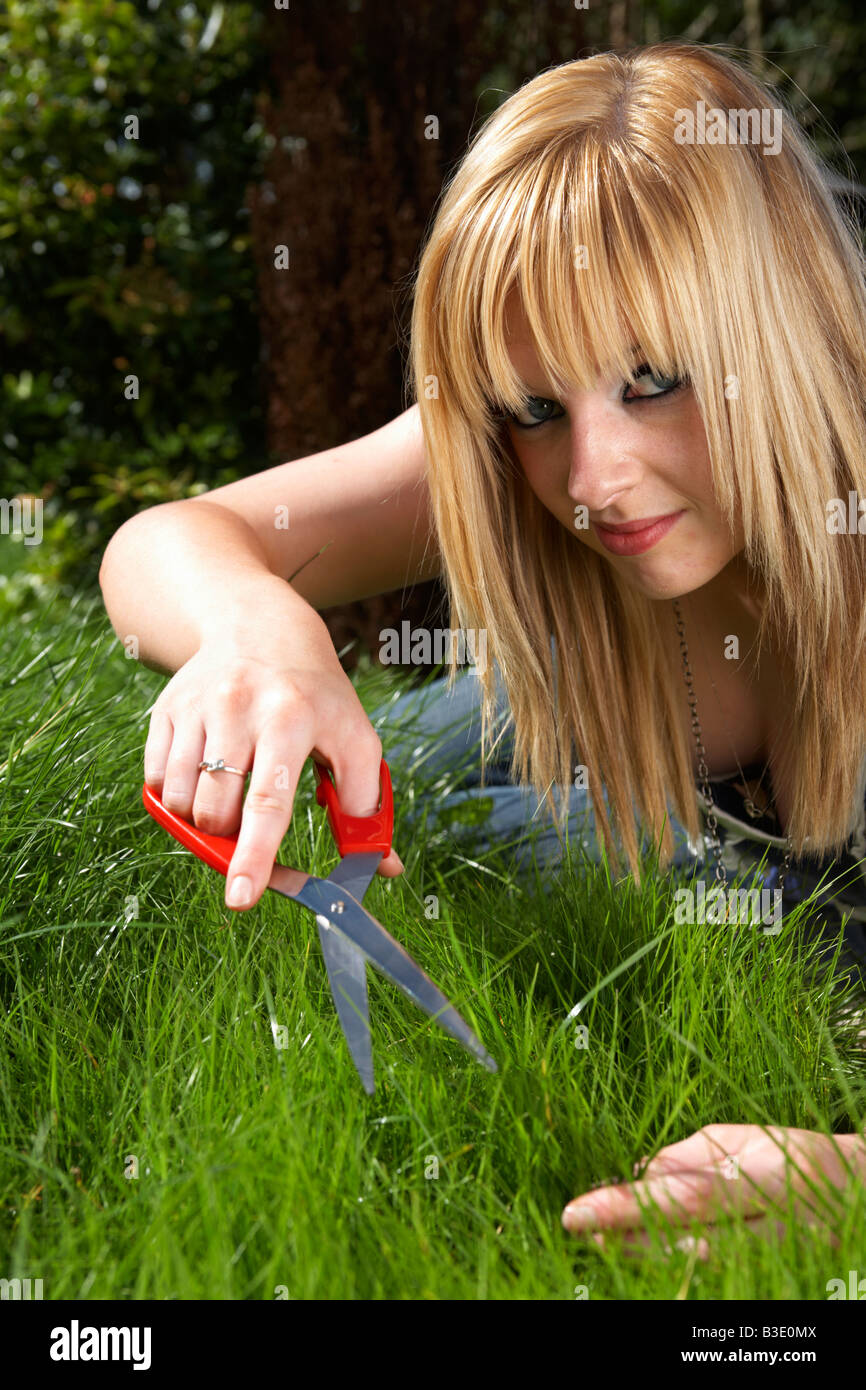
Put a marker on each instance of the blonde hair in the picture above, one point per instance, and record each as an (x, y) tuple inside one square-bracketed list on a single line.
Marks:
[(724, 262)]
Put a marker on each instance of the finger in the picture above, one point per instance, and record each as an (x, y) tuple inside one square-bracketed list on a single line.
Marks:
[(764, 1163), (768, 1229), (705, 1147), (680, 1197), (391, 865), (773, 1230), (771, 1156), (357, 763), (156, 749), (219, 794), (267, 811), (699, 1246), (181, 768), (635, 1243)]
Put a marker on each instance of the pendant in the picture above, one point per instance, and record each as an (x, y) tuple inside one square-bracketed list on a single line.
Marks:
[(752, 810)]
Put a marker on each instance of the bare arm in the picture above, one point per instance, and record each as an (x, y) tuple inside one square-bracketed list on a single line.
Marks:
[(366, 501), (202, 586), (178, 571)]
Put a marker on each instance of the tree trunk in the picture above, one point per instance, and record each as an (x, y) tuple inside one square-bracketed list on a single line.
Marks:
[(349, 189)]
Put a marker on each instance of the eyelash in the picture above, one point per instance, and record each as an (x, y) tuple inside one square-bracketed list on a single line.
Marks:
[(681, 382)]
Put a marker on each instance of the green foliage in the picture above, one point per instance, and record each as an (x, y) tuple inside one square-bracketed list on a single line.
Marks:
[(136, 1017), (126, 257), (123, 256)]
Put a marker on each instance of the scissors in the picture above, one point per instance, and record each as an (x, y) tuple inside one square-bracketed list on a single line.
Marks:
[(349, 935)]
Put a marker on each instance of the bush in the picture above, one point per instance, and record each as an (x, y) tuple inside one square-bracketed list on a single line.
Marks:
[(128, 136)]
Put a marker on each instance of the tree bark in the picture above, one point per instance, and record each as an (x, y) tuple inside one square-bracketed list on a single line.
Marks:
[(349, 189)]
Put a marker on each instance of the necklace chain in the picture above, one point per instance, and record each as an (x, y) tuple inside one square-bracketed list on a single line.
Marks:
[(704, 772)]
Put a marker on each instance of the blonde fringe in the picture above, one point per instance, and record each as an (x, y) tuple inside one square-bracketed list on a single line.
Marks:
[(725, 262)]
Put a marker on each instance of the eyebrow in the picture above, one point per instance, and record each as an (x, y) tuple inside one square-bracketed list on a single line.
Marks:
[(635, 349)]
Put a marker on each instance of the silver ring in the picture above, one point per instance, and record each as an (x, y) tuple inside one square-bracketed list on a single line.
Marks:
[(219, 765)]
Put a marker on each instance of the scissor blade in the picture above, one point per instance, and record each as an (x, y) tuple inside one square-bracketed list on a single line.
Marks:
[(355, 873), (388, 957), (347, 976)]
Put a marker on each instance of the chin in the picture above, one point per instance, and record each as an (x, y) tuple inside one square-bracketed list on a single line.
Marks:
[(664, 580)]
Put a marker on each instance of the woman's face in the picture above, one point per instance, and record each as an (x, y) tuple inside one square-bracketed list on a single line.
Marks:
[(625, 454)]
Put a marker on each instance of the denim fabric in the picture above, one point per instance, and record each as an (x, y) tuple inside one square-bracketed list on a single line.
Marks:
[(440, 731)]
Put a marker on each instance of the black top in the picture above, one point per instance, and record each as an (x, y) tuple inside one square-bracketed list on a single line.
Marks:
[(730, 794), (746, 837)]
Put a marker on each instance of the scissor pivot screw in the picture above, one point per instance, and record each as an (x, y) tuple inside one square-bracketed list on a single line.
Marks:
[(338, 906)]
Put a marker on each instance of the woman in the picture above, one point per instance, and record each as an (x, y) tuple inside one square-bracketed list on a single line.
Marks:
[(639, 360)]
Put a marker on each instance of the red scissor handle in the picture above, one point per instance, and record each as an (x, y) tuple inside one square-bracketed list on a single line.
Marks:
[(352, 834), (358, 834), (215, 850)]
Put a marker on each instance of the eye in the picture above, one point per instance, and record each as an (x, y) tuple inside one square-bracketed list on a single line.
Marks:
[(667, 385), (540, 410), (535, 408)]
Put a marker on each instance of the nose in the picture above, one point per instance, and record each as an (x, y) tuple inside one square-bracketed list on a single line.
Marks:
[(603, 467)]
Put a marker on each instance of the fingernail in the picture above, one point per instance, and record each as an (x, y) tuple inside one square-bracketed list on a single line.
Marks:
[(240, 892), (580, 1218)]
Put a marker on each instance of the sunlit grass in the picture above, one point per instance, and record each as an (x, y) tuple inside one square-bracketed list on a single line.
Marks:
[(138, 1019)]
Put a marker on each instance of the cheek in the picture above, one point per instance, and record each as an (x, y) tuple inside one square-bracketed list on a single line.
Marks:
[(688, 454), (545, 478), (537, 477), (550, 487)]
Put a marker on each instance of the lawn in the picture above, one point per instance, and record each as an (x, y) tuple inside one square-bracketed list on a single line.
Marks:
[(157, 1142)]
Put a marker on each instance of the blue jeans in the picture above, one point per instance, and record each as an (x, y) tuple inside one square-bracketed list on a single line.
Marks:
[(439, 732)]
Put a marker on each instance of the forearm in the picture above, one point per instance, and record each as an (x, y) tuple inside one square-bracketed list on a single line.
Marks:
[(177, 573)]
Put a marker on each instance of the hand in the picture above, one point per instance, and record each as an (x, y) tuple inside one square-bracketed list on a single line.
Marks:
[(262, 699), (720, 1170)]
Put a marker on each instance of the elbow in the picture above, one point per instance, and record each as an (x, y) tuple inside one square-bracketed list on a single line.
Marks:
[(124, 540), (105, 563), (115, 545), (121, 547)]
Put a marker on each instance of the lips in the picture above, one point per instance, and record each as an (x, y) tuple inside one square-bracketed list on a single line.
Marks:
[(627, 528), (634, 537)]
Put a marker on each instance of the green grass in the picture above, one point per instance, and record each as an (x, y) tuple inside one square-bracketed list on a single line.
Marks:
[(137, 1020)]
